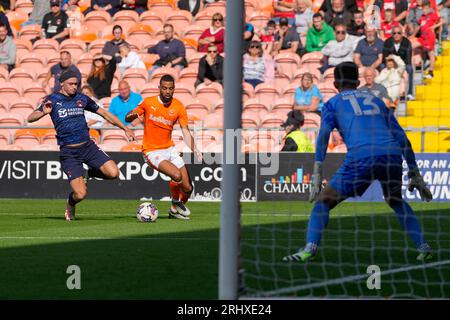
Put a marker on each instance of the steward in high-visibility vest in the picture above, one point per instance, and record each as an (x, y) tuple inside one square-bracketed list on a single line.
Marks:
[(295, 139)]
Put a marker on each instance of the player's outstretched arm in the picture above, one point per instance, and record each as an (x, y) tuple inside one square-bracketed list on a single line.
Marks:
[(115, 121), (189, 139), (37, 114), (131, 116)]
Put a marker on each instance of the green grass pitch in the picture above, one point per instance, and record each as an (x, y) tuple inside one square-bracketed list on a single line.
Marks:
[(121, 258)]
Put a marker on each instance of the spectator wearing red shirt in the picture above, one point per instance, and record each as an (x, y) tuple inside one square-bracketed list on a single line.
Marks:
[(388, 24), (399, 7), (284, 9), (428, 23), (267, 37), (214, 34)]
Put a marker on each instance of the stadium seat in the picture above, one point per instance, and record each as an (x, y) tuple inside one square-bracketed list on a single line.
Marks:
[(136, 77), (255, 104), (74, 46), (32, 61), (23, 46), (190, 45), (214, 7), (180, 19), (11, 147), (198, 104), (219, 105), (125, 15), (312, 60), (132, 147), (267, 93), (30, 32), (46, 47), (85, 61), (152, 19), (21, 76), (259, 19), (287, 62), (140, 32), (188, 76), (11, 120), (27, 138), (158, 73), (284, 104), (298, 74), (203, 18), (97, 20), (16, 18), (23, 106), (5, 137), (162, 8), (250, 119), (84, 33), (272, 120), (96, 46), (4, 106), (214, 120), (45, 147), (328, 75), (9, 92), (48, 136), (195, 115), (281, 81), (184, 92), (114, 137), (194, 31), (53, 59), (212, 92), (34, 91), (150, 89), (327, 91)]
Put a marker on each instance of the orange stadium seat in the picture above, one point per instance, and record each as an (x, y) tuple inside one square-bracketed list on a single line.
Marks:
[(85, 60), (184, 92), (158, 73), (180, 19), (198, 104), (21, 76), (188, 75), (46, 47), (11, 119), (328, 91), (247, 91), (212, 92), (23, 106), (32, 61), (135, 44), (196, 115), (136, 77), (9, 92), (105, 102), (267, 93), (298, 74), (34, 91), (193, 31), (250, 119), (150, 89), (74, 46), (219, 105), (27, 138), (53, 59), (132, 147), (30, 32), (48, 136), (23, 46), (272, 120), (328, 75), (24, 5), (140, 32), (193, 59), (214, 120), (3, 74), (204, 19), (259, 19), (45, 147), (287, 61), (45, 121), (190, 45), (84, 33), (148, 59), (152, 19), (96, 46), (312, 118), (5, 137), (284, 104), (125, 15), (312, 60), (16, 18), (97, 20), (255, 104), (4, 107), (162, 8), (281, 81)]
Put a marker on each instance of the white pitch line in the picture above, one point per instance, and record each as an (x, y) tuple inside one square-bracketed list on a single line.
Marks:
[(352, 278), (102, 238)]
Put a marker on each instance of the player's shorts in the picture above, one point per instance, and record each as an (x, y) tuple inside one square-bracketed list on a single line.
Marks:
[(154, 158), (354, 177), (72, 158)]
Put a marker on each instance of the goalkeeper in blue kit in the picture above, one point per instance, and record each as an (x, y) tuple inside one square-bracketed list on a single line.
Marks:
[(375, 143)]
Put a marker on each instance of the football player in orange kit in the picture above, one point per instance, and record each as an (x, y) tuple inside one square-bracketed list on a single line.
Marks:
[(160, 113)]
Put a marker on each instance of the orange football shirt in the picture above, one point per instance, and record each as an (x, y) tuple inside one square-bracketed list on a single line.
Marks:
[(159, 121)]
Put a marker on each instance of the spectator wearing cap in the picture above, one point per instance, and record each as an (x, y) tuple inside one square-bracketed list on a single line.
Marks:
[(287, 39), (56, 70), (284, 9), (338, 14), (400, 45), (214, 34), (338, 50), (303, 17), (101, 75), (210, 67), (171, 51), (40, 9), (257, 67), (139, 6), (130, 59), (308, 97), (295, 139), (319, 35), (7, 49), (110, 6), (123, 103), (55, 24), (193, 6), (369, 51), (111, 47)]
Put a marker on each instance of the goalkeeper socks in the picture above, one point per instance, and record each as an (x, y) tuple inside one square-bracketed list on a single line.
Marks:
[(96, 173), (71, 200), (174, 190), (409, 222), (317, 222)]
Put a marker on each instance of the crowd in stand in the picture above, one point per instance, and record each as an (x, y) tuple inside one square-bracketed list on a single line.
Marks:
[(381, 36)]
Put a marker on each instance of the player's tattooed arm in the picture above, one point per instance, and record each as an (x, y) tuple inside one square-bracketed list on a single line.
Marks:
[(115, 121), (189, 140), (37, 114)]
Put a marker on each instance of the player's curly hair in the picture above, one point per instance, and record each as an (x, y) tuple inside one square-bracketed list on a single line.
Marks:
[(167, 78)]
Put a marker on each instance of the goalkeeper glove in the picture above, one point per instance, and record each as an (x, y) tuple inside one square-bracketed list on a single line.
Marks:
[(416, 182), (316, 182)]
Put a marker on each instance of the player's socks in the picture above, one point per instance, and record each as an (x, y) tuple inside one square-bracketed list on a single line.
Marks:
[(409, 222), (317, 222), (184, 196), (70, 208), (96, 173), (174, 190)]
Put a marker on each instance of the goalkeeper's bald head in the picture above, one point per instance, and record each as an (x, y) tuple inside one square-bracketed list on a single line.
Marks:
[(346, 76)]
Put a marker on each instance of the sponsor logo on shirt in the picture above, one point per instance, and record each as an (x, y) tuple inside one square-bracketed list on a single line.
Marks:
[(161, 120), (79, 104)]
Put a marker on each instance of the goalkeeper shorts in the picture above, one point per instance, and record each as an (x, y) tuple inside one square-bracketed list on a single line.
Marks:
[(154, 158)]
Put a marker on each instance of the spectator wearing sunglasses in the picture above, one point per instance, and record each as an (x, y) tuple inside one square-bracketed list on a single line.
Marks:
[(400, 45), (257, 67), (339, 50), (210, 67), (214, 34)]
